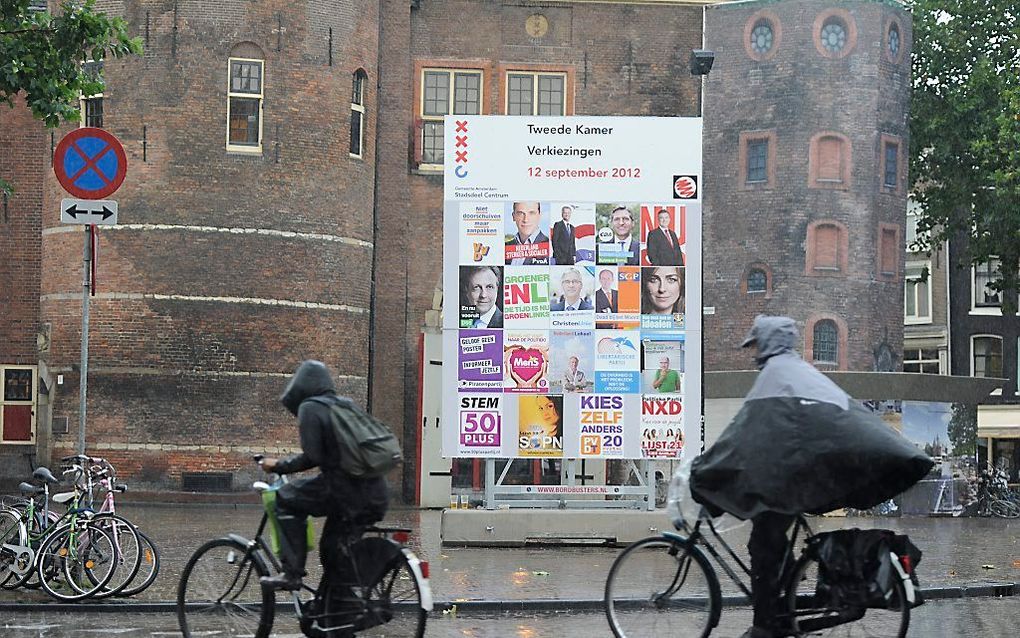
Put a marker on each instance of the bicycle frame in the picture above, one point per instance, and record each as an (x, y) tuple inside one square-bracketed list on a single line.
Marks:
[(697, 538)]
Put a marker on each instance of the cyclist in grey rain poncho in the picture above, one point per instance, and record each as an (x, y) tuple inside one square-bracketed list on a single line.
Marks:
[(799, 444)]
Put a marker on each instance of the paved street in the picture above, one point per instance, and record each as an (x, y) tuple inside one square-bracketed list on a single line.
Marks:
[(955, 551), (979, 617)]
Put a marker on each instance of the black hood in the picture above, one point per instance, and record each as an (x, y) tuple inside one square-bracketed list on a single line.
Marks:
[(312, 378), (771, 336)]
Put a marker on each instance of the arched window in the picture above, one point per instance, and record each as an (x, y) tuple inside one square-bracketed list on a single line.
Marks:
[(757, 280), (825, 342), (358, 113), (829, 161)]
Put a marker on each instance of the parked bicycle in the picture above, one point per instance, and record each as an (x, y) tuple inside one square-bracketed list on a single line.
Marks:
[(73, 557), (98, 474), (994, 496), (666, 586), (381, 588)]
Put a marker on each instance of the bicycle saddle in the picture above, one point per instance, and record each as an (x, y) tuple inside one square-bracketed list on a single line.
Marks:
[(28, 488), (44, 474)]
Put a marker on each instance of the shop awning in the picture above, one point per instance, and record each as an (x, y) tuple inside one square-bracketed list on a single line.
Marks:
[(999, 421)]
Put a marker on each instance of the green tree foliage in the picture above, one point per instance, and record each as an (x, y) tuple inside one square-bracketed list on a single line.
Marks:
[(963, 429), (965, 130), (41, 56)]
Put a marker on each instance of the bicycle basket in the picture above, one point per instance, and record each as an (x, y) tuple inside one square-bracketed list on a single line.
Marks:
[(855, 566)]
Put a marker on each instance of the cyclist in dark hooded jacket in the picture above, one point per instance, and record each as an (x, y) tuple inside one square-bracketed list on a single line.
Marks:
[(348, 503)]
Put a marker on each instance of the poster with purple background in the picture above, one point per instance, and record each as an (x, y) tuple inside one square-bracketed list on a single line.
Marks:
[(480, 360)]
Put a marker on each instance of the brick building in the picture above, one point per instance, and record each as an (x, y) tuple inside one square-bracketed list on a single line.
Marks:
[(805, 177), (285, 159)]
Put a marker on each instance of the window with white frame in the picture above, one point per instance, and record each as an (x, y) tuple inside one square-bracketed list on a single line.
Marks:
[(922, 360), (17, 404), (244, 104), (445, 92), (358, 112), (917, 293), (986, 356), (92, 105), (983, 275), (529, 93)]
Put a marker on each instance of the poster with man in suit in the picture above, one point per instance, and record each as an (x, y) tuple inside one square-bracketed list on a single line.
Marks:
[(662, 245)]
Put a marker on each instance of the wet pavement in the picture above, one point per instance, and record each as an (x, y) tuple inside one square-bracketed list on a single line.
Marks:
[(977, 617), (957, 552)]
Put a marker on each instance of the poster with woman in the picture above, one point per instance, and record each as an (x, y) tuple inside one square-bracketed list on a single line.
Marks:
[(540, 425), (662, 298)]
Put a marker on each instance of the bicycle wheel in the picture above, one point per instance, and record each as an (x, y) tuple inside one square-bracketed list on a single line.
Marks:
[(1003, 509), (12, 532), (220, 594), (393, 602), (74, 564), (148, 569), (128, 554), (812, 614), (661, 586)]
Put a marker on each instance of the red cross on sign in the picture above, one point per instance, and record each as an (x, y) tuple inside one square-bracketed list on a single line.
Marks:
[(461, 126)]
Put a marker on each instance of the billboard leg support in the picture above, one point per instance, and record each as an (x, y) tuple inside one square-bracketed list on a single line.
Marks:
[(490, 484)]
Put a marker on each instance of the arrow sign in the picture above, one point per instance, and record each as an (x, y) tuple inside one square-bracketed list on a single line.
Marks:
[(88, 211)]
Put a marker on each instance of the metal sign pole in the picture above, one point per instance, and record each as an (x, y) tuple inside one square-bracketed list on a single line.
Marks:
[(83, 383)]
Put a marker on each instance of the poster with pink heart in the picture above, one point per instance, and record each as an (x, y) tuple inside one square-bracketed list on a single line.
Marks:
[(526, 361)]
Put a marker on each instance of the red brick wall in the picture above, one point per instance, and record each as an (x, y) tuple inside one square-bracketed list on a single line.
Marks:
[(226, 270), (799, 94)]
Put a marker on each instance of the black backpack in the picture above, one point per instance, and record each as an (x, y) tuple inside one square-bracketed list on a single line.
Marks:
[(368, 447)]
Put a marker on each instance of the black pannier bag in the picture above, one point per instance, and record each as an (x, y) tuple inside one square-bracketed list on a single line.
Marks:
[(855, 566)]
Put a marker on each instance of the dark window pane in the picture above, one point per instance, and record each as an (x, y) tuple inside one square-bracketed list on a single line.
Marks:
[(244, 121), (520, 92), (437, 93), (18, 385), (550, 95), (245, 77), (356, 117), (756, 281), (93, 115), (987, 357), (432, 143), (757, 160), (358, 90), (891, 158), (825, 341), (466, 94)]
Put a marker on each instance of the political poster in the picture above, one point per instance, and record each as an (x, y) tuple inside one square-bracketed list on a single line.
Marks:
[(540, 425), (601, 425), (481, 425), (571, 294), (526, 297), (662, 432), (526, 361), (617, 362), (571, 247), (572, 361), (480, 360), (481, 227)]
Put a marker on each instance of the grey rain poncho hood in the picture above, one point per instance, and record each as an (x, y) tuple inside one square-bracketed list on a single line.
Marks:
[(799, 443), (312, 378)]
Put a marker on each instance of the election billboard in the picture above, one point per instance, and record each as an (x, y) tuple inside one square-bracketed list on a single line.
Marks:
[(572, 286)]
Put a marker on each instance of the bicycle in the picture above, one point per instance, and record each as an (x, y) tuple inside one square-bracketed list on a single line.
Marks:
[(383, 588), (73, 557), (100, 473), (666, 586)]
